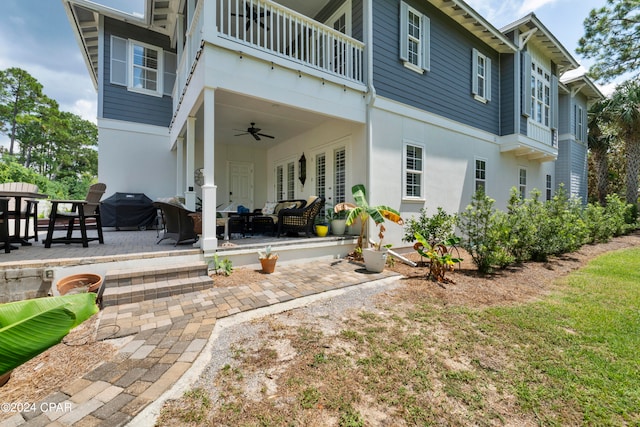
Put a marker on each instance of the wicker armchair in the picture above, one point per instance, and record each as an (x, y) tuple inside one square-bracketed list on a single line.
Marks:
[(178, 225), (299, 220)]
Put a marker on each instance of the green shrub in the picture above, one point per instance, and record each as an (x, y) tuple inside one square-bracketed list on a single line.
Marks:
[(521, 231), (436, 228), (484, 230), (599, 229), (568, 230), (621, 215)]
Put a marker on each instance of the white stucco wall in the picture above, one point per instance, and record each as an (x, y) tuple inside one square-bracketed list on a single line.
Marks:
[(135, 158), (329, 135), (449, 171)]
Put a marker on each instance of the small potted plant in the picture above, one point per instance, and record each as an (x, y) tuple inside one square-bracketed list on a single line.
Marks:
[(321, 226), (268, 260), (338, 221)]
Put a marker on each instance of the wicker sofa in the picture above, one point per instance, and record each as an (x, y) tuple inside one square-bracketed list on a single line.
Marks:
[(300, 220), (266, 222)]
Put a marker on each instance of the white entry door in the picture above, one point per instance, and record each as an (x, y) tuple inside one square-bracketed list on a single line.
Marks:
[(331, 174), (241, 183)]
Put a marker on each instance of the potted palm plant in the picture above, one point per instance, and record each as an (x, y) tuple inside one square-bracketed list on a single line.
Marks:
[(375, 257), (268, 260)]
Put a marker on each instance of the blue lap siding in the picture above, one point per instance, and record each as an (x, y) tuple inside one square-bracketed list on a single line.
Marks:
[(445, 89), (118, 102)]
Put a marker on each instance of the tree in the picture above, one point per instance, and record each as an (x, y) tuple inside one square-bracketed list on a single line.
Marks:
[(19, 95), (624, 108), (599, 144), (612, 38)]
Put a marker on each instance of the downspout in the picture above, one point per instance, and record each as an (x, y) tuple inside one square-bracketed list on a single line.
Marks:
[(371, 92)]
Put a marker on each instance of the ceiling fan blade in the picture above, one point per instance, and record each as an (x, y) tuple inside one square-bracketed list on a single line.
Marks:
[(255, 135), (240, 134), (266, 136)]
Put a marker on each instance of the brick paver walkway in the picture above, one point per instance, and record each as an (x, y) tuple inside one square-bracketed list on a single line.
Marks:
[(168, 336)]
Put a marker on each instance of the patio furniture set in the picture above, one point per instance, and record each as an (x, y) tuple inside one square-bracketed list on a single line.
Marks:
[(285, 217), (19, 203)]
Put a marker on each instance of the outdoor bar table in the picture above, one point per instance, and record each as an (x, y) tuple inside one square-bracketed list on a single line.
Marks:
[(17, 213)]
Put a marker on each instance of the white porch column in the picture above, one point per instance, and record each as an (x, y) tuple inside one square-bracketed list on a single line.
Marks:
[(179, 164), (209, 189), (190, 194)]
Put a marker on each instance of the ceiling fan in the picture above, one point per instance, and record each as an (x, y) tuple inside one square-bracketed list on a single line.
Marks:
[(253, 131), (253, 14)]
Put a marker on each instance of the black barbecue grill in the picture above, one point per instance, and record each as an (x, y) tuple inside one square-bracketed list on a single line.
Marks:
[(128, 210)]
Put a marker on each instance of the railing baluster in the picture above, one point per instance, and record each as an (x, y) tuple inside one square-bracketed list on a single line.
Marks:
[(276, 29)]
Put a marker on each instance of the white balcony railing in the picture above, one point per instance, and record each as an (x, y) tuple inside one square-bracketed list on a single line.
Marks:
[(276, 30), (270, 27)]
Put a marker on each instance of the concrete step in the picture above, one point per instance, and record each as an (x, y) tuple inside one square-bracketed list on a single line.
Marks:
[(129, 277), (136, 285)]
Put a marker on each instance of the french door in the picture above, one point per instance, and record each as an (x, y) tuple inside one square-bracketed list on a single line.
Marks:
[(285, 180), (331, 175)]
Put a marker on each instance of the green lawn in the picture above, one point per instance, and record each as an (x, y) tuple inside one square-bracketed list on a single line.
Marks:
[(570, 359)]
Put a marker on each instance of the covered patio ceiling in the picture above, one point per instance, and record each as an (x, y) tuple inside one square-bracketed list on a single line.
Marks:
[(234, 111)]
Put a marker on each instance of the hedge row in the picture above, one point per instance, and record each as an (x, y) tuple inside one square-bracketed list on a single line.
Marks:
[(529, 229)]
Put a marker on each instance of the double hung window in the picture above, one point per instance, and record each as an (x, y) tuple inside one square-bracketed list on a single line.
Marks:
[(540, 95), (578, 122), (522, 184), (413, 186), (481, 175), (481, 76), (141, 67), (414, 39)]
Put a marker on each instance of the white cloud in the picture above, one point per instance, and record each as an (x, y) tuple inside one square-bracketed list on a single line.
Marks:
[(532, 5), (498, 13)]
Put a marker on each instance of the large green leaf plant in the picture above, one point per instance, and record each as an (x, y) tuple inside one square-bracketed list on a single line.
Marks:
[(27, 328), (361, 209)]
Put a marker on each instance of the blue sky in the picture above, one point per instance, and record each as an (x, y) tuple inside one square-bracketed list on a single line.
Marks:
[(35, 35)]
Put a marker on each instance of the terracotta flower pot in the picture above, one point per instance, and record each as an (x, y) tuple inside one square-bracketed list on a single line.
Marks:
[(268, 264), (4, 378), (89, 281)]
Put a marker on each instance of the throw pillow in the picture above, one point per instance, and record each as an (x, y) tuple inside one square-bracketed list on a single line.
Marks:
[(269, 208)]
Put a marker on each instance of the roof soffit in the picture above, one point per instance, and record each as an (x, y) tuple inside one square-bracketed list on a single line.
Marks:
[(539, 36), (583, 84), (84, 16), (473, 22)]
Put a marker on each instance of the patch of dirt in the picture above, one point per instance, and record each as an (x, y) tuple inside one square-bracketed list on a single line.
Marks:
[(239, 276), (58, 366), (516, 284)]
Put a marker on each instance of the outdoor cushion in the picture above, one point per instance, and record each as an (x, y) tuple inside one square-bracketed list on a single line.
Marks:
[(284, 205), (268, 208), (310, 200)]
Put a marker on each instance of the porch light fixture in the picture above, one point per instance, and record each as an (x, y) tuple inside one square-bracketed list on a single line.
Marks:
[(302, 169)]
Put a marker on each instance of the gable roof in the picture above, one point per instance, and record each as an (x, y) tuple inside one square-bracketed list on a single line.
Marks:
[(84, 17), (578, 82), (542, 38), (473, 22)]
